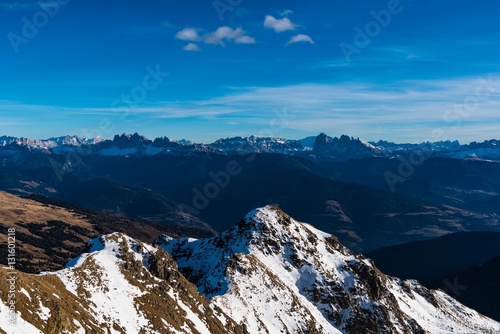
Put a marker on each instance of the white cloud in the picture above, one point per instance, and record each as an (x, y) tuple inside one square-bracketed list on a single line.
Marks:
[(228, 34), (300, 38), (244, 40), (407, 110), (188, 34), (404, 110), (278, 25), (217, 37), (286, 12), (191, 47)]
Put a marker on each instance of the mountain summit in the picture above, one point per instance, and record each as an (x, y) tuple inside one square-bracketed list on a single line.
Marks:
[(275, 275), (267, 274)]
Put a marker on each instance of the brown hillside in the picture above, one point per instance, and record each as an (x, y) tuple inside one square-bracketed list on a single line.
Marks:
[(48, 235)]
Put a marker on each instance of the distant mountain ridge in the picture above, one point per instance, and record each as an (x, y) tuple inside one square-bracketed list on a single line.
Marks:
[(191, 180), (319, 147)]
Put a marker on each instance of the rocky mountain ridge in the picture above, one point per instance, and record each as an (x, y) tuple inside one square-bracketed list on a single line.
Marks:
[(267, 274), (119, 286), (274, 274), (319, 147)]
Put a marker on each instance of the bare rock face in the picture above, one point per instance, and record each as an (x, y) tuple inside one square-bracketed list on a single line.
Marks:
[(268, 274), (122, 286), (276, 275)]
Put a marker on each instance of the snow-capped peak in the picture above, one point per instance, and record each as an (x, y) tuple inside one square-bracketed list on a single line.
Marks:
[(267, 274), (119, 286), (276, 275)]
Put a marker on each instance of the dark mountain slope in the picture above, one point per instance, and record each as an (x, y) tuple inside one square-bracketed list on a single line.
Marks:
[(478, 288), (465, 183), (362, 217), (431, 261)]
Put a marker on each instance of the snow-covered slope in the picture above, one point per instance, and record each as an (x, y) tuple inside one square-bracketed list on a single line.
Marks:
[(268, 274), (120, 286), (276, 275)]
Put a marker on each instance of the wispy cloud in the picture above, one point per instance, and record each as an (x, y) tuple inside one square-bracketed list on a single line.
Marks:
[(406, 110), (167, 25), (191, 47), (19, 5), (218, 37), (188, 34), (28, 5), (278, 25), (402, 111), (7, 123), (285, 24), (223, 34), (300, 38)]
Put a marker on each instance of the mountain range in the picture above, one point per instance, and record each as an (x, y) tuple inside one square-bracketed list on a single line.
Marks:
[(208, 186), (267, 274), (321, 147), (435, 203)]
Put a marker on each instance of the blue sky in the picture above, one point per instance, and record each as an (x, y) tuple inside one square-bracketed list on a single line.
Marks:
[(405, 71)]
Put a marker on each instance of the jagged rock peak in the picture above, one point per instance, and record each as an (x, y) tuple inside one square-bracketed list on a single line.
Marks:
[(131, 139), (323, 138), (305, 281)]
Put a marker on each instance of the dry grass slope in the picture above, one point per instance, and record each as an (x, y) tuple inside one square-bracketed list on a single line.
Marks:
[(49, 235)]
